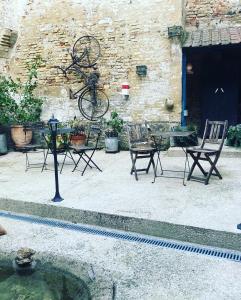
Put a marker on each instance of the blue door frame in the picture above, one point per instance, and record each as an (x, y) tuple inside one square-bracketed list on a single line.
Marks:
[(184, 88)]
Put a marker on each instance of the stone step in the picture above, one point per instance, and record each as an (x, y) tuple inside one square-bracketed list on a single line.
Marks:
[(197, 235)]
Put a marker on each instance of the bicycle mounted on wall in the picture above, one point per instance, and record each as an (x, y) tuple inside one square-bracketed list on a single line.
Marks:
[(93, 103)]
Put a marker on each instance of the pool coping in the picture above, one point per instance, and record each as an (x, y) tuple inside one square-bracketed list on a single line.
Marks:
[(191, 234)]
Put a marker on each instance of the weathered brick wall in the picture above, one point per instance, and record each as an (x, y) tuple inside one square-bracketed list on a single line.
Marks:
[(200, 13), (131, 32)]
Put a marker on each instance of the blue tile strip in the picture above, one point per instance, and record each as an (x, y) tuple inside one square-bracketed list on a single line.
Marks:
[(224, 254)]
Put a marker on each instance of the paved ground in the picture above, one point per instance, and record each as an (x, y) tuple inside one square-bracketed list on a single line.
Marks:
[(142, 272), (115, 191)]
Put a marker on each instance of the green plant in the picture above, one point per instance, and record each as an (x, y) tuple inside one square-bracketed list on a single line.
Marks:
[(18, 104), (234, 136), (62, 140), (114, 125), (78, 127), (191, 140)]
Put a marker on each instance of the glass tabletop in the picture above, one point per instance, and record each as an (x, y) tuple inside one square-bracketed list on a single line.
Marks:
[(59, 130), (172, 133)]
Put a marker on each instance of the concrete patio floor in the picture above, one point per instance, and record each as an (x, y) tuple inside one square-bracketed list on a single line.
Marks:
[(113, 198)]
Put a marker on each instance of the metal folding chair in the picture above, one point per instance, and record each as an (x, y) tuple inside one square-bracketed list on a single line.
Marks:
[(33, 148), (87, 151), (214, 133), (140, 147)]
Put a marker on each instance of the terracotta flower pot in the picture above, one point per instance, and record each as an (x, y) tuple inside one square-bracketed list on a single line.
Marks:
[(78, 140), (2, 231), (21, 137)]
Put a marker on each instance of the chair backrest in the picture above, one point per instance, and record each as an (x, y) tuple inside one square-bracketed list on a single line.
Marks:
[(36, 128), (93, 136), (215, 133), (137, 134)]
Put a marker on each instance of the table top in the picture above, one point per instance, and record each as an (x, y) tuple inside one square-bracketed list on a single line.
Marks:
[(166, 134), (59, 130)]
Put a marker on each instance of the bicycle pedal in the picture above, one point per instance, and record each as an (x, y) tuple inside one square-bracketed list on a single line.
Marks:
[(71, 95)]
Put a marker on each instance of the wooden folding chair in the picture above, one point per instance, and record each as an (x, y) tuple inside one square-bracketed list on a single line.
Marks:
[(214, 133), (140, 147)]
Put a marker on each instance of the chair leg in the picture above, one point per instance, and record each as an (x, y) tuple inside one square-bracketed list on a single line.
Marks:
[(193, 165), (66, 155), (45, 159), (26, 161), (86, 162), (89, 159), (196, 163), (153, 162), (44, 154), (213, 163), (72, 158), (212, 168), (92, 162), (149, 164), (133, 168), (159, 161), (63, 162), (132, 162), (76, 165), (185, 168)]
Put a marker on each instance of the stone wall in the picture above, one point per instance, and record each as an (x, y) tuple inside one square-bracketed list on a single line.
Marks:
[(131, 33), (213, 13)]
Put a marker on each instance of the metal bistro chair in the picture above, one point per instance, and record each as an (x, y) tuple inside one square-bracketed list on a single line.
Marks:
[(140, 147), (87, 151), (214, 133), (33, 148)]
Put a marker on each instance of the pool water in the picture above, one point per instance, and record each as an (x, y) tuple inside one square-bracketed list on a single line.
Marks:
[(45, 283)]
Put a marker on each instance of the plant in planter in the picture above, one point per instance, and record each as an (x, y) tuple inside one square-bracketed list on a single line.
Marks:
[(3, 141), (78, 136), (234, 136), (18, 104), (114, 127), (188, 141), (62, 141)]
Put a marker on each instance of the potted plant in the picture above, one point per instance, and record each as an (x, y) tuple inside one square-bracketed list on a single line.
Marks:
[(114, 127), (188, 141), (77, 136), (234, 136), (18, 104), (3, 141)]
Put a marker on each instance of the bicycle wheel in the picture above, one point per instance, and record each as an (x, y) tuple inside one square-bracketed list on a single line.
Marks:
[(90, 110), (86, 51)]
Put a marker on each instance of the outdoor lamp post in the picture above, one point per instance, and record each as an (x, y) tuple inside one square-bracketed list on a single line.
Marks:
[(53, 126)]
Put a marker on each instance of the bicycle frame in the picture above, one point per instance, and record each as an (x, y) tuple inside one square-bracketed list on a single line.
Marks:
[(90, 84), (89, 93)]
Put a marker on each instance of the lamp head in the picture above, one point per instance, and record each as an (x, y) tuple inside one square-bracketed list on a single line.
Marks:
[(53, 124)]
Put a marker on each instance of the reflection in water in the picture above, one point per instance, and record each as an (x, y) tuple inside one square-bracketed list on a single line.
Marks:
[(42, 283)]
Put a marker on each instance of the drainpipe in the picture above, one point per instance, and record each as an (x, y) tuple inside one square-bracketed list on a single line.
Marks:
[(184, 88)]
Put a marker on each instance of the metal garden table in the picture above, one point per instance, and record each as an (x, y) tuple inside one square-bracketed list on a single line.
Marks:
[(168, 134)]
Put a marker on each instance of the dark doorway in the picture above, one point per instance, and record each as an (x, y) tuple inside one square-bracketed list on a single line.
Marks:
[(213, 85)]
